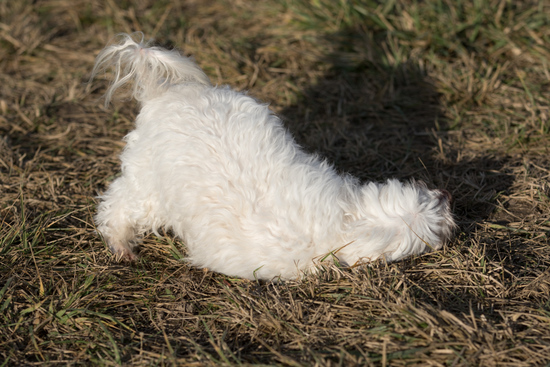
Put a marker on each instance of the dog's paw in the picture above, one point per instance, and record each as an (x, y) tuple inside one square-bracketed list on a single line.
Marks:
[(123, 253)]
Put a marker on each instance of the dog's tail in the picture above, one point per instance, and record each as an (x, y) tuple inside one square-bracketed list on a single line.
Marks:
[(152, 69)]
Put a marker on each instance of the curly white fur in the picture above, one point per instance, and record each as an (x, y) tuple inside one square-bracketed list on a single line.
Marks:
[(219, 169)]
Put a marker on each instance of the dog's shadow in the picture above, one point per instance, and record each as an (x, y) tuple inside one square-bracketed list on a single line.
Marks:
[(377, 120)]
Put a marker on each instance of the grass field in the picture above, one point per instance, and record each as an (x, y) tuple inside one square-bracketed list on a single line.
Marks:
[(454, 93)]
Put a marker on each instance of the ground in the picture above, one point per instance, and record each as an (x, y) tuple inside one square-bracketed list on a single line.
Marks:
[(454, 93)]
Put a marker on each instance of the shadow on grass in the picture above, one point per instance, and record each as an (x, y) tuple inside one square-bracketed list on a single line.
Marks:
[(379, 121)]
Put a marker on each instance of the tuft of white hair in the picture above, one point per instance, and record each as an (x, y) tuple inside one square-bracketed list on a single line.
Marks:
[(151, 69)]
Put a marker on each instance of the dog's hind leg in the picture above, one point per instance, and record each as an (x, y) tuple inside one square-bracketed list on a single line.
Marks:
[(115, 221)]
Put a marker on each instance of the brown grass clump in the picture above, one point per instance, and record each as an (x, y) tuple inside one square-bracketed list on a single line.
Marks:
[(454, 93)]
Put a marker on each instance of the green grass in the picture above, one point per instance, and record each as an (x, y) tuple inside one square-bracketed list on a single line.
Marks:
[(451, 92)]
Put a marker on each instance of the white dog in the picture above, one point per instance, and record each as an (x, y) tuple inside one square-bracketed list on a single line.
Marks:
[(220, 170)]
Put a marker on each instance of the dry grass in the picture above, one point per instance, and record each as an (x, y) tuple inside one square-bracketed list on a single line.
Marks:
[(452, 92)]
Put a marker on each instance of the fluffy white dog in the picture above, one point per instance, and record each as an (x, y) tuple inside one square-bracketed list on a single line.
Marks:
[(221, 171)]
